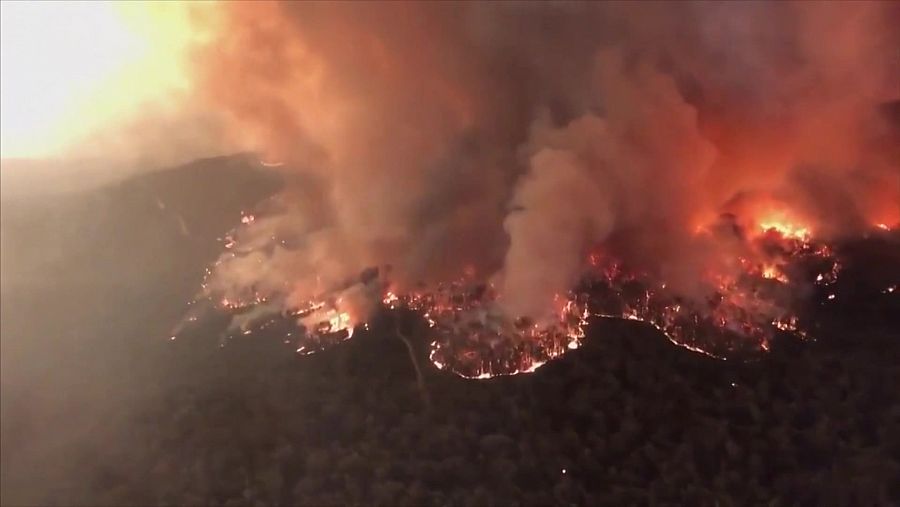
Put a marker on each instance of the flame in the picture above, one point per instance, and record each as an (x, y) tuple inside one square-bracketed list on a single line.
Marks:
[(338, 321), (773, 272), (742, 316), (474, 338), (786, 229), (390, 300)]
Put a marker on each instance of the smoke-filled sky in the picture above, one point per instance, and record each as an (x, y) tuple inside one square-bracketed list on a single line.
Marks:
[(509, 139)]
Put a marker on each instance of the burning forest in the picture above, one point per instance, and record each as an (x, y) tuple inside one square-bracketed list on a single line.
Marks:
[(781, 273), (509, 196)]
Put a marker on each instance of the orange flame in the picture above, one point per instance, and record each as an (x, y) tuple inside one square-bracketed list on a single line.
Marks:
[(786, 229)]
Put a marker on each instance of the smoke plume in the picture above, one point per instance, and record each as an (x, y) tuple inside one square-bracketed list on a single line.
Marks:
[(506, 140)]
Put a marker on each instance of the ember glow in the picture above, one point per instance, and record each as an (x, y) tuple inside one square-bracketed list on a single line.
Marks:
[(475, 339), (315, 325), (741, 317), (327, 316), (324, 325)]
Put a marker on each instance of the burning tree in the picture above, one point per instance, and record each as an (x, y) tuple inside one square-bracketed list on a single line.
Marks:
[(743, 306)]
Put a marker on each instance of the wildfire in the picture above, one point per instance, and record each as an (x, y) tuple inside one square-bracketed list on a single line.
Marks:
[(319, 322), (473, 342), (742, 311), (325, 328), (769, 217), (390, 300), (786, 229), (773, 272), (474, 338)]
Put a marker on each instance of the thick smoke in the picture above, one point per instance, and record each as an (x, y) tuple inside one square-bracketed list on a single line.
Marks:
[(506, 140)]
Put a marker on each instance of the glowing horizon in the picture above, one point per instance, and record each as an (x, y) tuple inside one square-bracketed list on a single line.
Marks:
[(71, 68)]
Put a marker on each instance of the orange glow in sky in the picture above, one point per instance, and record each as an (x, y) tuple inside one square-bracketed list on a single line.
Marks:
[(69, 68)]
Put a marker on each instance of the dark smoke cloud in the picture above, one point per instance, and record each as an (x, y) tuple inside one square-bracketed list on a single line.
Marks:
[(508, 139)]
